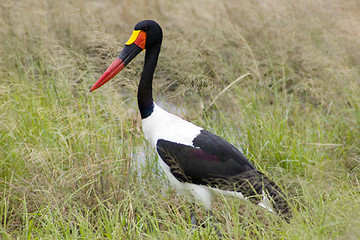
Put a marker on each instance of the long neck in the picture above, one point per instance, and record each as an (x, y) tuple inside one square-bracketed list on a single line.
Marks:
[(145, 100)]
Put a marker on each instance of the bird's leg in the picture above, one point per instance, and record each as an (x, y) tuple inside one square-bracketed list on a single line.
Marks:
[(193, 217), (215, 223)]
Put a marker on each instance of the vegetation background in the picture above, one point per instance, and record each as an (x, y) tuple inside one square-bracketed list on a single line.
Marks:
[(75, 165)]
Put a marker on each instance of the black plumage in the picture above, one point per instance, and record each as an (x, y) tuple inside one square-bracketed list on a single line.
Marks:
[(214, 162)]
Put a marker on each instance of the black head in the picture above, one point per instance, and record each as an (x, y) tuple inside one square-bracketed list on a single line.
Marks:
[(153, 32)]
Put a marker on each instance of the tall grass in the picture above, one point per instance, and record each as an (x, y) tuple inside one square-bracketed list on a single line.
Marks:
[(76, 165)]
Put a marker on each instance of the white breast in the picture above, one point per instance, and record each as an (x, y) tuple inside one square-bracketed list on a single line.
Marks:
[(163, 125)]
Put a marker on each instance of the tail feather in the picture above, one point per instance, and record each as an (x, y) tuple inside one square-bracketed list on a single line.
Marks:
[(257, 188), (277, 197)]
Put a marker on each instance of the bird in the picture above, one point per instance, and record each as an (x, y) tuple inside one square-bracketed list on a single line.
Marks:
[(197, 162)]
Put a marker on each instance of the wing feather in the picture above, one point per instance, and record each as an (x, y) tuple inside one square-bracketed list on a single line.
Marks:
[(211, 161), (214, 162)]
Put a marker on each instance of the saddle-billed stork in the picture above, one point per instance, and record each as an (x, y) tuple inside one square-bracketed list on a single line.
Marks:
[(195, 161)]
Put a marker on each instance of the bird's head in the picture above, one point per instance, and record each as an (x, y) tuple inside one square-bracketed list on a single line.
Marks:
[(146, 34)]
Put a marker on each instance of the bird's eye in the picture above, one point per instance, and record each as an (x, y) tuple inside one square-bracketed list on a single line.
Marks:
[(145, 29)]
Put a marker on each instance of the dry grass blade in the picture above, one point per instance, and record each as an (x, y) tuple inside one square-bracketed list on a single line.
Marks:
[(225, 89)]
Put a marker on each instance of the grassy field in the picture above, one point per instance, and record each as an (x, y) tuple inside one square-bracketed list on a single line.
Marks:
[(75, 165)]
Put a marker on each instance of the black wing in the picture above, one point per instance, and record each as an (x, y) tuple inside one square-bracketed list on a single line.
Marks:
[(216, 163), (212, 161)]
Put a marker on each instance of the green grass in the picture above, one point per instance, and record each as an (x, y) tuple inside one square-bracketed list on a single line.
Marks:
[(69, 158)]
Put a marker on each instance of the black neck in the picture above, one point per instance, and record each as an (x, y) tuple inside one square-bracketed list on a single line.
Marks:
[(145, 100)]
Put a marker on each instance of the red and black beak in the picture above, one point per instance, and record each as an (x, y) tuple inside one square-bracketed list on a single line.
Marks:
[(132, 48)]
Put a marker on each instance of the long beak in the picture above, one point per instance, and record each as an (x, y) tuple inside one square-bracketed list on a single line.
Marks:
[(132, 48)]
